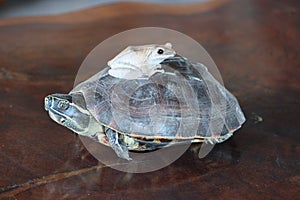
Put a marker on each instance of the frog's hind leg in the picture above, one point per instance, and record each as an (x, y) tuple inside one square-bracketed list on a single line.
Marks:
[(120, 149)]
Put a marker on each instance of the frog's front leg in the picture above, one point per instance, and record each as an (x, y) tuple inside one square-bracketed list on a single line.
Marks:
[(155, 69)]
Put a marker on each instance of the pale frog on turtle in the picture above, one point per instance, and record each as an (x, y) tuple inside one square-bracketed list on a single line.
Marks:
[(140, 62)]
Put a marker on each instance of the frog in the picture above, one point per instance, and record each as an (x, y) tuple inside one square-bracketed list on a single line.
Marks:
[(140, 62)]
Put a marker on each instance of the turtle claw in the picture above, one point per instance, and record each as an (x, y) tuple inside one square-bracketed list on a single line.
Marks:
[(121, 150)]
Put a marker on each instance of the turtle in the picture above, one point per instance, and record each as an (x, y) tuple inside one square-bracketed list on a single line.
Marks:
[(148, 97)]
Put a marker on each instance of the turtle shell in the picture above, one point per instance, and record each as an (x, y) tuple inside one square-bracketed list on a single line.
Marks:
[(184, 102)]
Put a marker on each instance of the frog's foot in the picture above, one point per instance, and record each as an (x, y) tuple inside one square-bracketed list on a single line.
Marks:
[(121, 150)]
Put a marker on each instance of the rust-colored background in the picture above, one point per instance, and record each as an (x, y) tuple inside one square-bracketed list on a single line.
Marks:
[(255, 44)]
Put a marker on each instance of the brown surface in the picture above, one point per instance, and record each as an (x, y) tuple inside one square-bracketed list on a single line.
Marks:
[(254, 43)]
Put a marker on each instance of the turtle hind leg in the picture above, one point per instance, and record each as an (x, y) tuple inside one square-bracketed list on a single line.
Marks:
[(120, 149), (219, 139)]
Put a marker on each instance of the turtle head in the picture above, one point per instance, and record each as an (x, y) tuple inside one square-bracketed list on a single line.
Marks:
[(69, 110)]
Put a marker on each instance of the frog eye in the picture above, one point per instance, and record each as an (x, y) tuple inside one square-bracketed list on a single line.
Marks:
[(63, 105), (160, 51)]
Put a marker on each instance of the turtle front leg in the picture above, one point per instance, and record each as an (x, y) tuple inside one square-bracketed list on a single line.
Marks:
[(121, 150)]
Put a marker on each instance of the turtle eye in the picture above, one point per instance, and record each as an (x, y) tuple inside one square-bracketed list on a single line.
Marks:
[(62, 120), (63, 105), (160, 51)]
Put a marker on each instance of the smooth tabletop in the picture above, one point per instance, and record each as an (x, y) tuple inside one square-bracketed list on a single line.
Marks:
[(254, 43)]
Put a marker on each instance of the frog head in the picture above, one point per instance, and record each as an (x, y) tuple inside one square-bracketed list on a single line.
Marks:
[(158, 53)]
